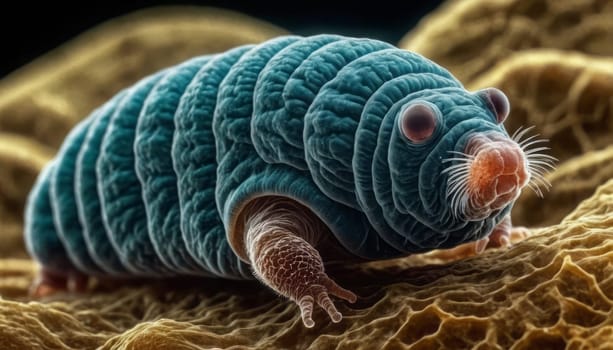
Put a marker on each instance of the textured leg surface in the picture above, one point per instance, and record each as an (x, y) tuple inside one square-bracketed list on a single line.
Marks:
[(503, 235), (280, 239), (506, 234)]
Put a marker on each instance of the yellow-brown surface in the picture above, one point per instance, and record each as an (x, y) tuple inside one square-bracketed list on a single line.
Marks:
[(470, 36), (552, 290)]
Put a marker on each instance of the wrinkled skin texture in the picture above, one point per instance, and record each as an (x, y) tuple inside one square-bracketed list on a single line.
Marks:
[(386, 153), (280, 241)]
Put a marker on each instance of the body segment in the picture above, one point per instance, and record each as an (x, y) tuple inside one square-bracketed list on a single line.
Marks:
[(370, 142)]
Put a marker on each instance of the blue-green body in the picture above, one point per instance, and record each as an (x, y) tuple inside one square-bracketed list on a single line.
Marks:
[(150, 183)]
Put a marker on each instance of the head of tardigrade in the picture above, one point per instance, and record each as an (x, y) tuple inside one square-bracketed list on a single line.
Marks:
[(470, 169)]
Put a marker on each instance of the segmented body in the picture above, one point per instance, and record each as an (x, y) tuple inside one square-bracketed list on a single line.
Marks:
[(150, 183)]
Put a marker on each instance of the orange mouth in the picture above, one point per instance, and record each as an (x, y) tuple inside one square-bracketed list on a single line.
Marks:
[(497, 173), (493, 169)]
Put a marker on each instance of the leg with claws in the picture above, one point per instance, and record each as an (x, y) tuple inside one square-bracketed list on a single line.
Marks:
[(280, 236), (48, 282), (502, 236), (505, 234)]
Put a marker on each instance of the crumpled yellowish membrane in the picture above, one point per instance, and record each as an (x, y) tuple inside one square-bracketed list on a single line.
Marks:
[(551, 290)]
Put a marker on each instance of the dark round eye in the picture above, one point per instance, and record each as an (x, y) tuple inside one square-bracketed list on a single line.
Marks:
[(418, 122), (499, 103)]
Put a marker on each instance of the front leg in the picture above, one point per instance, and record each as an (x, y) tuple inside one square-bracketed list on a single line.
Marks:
[(280, 236), (502, 236)]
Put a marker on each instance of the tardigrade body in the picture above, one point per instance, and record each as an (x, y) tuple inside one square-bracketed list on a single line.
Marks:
[(265, 158)]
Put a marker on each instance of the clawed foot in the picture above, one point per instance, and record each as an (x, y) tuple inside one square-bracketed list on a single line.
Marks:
[(48, 283), (292, 267), (503, 236), (280, 236), (320, 293), (462, 251)]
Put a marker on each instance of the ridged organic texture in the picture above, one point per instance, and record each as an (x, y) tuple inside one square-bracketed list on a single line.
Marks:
[(477, 34), (554, 61), (151, 183), (66, 84), (553, 289), (567, 97)]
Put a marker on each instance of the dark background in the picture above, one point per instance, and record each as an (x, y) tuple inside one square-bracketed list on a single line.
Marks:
[(29, 30)]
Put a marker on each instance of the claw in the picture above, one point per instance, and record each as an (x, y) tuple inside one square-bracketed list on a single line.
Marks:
[(338, 291), (48, 283), (519, 233), (480, 245), (504, 241), (306, 311), (326, 303), (280, 243), (322, 293)]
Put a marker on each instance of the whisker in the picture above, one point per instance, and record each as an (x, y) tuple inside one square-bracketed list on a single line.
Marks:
[(543, 164), (540, 177), (538, 163), (464, 160), (457, 179), (461, 154), (541, 181), (536, 189), (458, 191), (458, 167), (546, 183), (457, 172), (454, 200), (450, 170), (541, 155), (525, 144), (458, 205), (457, 182), (539, 173), (456, 152), (454, 178), (538, 149), (538, 169), (519, 134), (516, 131), (456, 187)]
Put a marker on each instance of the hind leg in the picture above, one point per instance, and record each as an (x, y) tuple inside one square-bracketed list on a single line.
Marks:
[(49, 282), (280, 240), (502, 236)]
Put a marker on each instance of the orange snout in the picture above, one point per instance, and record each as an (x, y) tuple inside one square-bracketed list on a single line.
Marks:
[(497, 173)]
